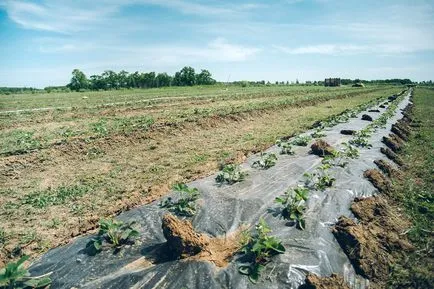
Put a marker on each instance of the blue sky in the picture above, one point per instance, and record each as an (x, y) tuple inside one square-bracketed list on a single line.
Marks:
[(42, 41)]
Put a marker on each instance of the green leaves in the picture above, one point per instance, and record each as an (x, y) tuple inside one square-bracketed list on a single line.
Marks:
[(14, 275), (294, 205), (318, 133), (286, 147), (259, 247), (319, 179), (266, 161), (301, 140), (185, 204), (115, 233), (230, 174)]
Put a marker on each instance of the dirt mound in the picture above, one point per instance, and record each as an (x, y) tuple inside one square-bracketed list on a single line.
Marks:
[(321, 148), (348, 132), (382, 106), (370, 243), (378, 180), (332, 282), (373, 110), (393, 142), (366, 117), (181, 238), (400, 133), (184, 242), (361, 248), (392, 156), (388, 169), (220, 250)]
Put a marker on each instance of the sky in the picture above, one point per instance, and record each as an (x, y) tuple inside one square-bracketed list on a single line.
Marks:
[(42, 41)]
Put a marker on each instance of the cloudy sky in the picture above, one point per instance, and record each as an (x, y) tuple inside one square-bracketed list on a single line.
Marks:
[(42, 41)]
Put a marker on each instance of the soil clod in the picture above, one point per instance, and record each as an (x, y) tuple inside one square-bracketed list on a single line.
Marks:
[(181, 238), (378, 180), (393, 142), (366, 117), (369, 243), (322, 148), (348, 132), (373, 110), (388, 169), (184, 242), (392, 156), (315, 282)]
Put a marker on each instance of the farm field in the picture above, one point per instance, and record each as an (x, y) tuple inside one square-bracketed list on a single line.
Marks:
[(95, 154)]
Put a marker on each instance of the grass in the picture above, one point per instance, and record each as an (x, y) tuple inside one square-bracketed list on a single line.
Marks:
[(414, 193), (58, 196), (95, 162)]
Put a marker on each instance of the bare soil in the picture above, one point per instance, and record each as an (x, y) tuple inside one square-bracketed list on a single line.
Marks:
[(313, 281), (392, 156), (369, 244), (388, 169), (321, 148), (378, 180), (184, 242)]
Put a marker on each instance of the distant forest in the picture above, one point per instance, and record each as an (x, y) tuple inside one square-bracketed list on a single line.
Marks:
[(187, 76), (112, 80)]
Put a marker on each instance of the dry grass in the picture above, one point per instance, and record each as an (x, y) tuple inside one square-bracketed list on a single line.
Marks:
[(61, 191)]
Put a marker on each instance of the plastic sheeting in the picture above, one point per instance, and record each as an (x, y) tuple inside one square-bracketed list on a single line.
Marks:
[(223, 209)]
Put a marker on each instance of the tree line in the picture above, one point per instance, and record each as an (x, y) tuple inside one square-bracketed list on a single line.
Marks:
[(109, 79)]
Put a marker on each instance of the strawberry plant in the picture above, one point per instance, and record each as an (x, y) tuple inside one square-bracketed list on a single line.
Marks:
[(114, 233), (318, 133), (259, 248), (335, 159), (230, 174), (301, 140), (266, 161), (285, 147), (361, 138), (14, 275), (320, 179), (294, 205), (185, 204), (350, 151)]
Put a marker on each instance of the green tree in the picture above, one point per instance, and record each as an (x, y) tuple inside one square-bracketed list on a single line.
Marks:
[(163, 79), (110, 79), (78, 80), (185, 77), (204, 78)]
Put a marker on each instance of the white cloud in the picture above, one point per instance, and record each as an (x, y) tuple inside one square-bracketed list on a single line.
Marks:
[(74, 16), (216, 50), (329, 49), (351, 49)]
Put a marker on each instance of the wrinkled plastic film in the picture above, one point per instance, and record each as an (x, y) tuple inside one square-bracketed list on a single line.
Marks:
[(222, 210)]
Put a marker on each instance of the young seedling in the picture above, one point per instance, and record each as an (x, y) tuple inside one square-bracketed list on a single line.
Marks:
[(114, 233), (320, 179), (185, 204), (350, 151), (318, 133), (266, 161), (230, 174), (301, 140), (285, 147), (361, 138), (259, 248), (14, 275), (294, 203), (335, 159)]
